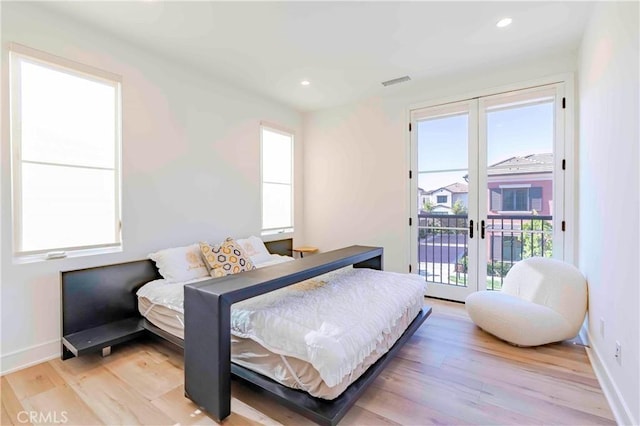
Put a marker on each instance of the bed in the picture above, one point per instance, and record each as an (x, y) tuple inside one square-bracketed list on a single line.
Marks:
[(290, 377)]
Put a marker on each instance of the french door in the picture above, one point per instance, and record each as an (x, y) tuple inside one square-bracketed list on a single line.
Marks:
[(488, 191)]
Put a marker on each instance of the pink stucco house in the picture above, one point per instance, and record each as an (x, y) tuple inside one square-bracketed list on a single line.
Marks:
[(521, 185)]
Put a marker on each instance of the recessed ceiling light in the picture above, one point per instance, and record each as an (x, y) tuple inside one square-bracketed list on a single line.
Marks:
[(504, 22), (305, 82)]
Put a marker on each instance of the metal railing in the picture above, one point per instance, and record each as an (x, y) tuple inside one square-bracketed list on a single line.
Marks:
[(443, 245)]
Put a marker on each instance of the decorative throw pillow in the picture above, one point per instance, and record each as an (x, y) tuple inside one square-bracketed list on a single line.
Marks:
[(254, 248), (226, 259), (180, 263)]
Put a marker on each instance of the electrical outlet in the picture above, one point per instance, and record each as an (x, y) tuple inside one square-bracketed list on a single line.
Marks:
[(601, 327), (618, 353)]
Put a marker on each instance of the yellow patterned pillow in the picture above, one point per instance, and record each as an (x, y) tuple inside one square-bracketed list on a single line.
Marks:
[(226, 259)]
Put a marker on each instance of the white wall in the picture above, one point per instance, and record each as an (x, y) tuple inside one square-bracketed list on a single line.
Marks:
[(357, 158), (191, 167), (609, 196)]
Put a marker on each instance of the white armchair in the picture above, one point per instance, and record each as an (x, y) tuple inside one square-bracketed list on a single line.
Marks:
[(542, 301)]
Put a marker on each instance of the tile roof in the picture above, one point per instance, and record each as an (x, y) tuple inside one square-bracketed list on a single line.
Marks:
[(455, 188), (534, 163)]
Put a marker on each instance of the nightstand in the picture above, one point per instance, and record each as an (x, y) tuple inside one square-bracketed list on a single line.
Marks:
[(305, 249)]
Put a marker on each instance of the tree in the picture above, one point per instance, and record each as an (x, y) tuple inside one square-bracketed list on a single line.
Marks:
[(427, 206), (537, 243), (458, 208)]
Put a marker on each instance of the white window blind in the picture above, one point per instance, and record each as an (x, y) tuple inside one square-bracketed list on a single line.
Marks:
[(65, 131), (277, 180)]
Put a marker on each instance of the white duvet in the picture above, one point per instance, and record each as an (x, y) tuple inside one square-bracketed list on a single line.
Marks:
[(333, 321)]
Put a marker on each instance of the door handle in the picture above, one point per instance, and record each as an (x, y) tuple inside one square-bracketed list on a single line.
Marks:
[(471, 229), (482, 229)]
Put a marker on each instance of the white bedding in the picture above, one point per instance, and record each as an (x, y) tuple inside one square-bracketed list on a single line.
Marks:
[(332, 322), (288, 371)]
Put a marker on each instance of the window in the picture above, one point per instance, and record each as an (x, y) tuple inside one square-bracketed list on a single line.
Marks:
[(516, 199), (277, 181), (441, 199), (65, 136)]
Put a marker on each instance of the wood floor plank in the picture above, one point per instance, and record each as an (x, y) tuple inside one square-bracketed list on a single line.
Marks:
[(146, 375), (171, 353), (358, 416), (180, 409), (60, 405), (11, 406), (450, 372), (244, 414), (524, 380), (420, 376), (115, 402), (414, 351), (267, 406), (5, 418), (459, 397), (34, 380), (542, 410), (74, 369), (183, 411), (402, 409)]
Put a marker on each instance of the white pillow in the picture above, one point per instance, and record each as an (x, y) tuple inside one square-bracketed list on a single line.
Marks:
[(255, 249), (180, 263)]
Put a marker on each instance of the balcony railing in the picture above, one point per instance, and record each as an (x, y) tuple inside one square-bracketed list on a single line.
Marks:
[(443, 245)]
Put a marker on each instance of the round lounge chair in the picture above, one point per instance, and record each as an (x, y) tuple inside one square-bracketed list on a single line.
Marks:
[(542, 301)]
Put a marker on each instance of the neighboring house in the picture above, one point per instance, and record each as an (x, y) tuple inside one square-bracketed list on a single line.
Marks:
[(443, 199), (518, 186), (521, 186)]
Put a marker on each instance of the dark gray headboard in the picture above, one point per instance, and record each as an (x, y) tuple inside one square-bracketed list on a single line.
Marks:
[(101, 295)]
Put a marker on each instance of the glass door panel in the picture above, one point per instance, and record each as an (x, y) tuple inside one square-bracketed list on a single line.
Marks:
[(518, 133), (442, 141)]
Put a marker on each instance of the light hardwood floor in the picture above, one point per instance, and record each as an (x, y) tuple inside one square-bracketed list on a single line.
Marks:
[(450, 372)]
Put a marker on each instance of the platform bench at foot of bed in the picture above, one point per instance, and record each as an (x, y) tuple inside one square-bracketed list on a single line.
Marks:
[(207, 341)]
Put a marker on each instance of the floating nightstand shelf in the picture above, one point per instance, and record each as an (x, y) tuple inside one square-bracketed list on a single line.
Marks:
[(104, 336)]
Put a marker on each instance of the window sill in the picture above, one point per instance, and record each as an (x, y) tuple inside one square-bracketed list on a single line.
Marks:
[(42, 257)]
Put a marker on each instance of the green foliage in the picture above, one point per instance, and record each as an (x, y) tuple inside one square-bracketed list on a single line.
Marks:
[(532, 242), (458, 208), (428, 206), (498, 269)]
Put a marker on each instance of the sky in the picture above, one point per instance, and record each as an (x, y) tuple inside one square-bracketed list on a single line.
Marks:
[(515, 131)]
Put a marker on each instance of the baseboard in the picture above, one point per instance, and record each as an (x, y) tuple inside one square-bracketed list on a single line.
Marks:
[(621, 411), (23, 358), (583, 334)]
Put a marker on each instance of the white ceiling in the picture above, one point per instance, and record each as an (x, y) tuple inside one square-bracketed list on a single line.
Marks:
[(346, 49)]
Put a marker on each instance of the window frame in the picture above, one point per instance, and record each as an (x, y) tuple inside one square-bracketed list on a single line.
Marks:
[(287, 230), (19, 54), (439, 197)]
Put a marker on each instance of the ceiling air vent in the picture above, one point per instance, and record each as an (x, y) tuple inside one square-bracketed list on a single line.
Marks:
[(396, 81)]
